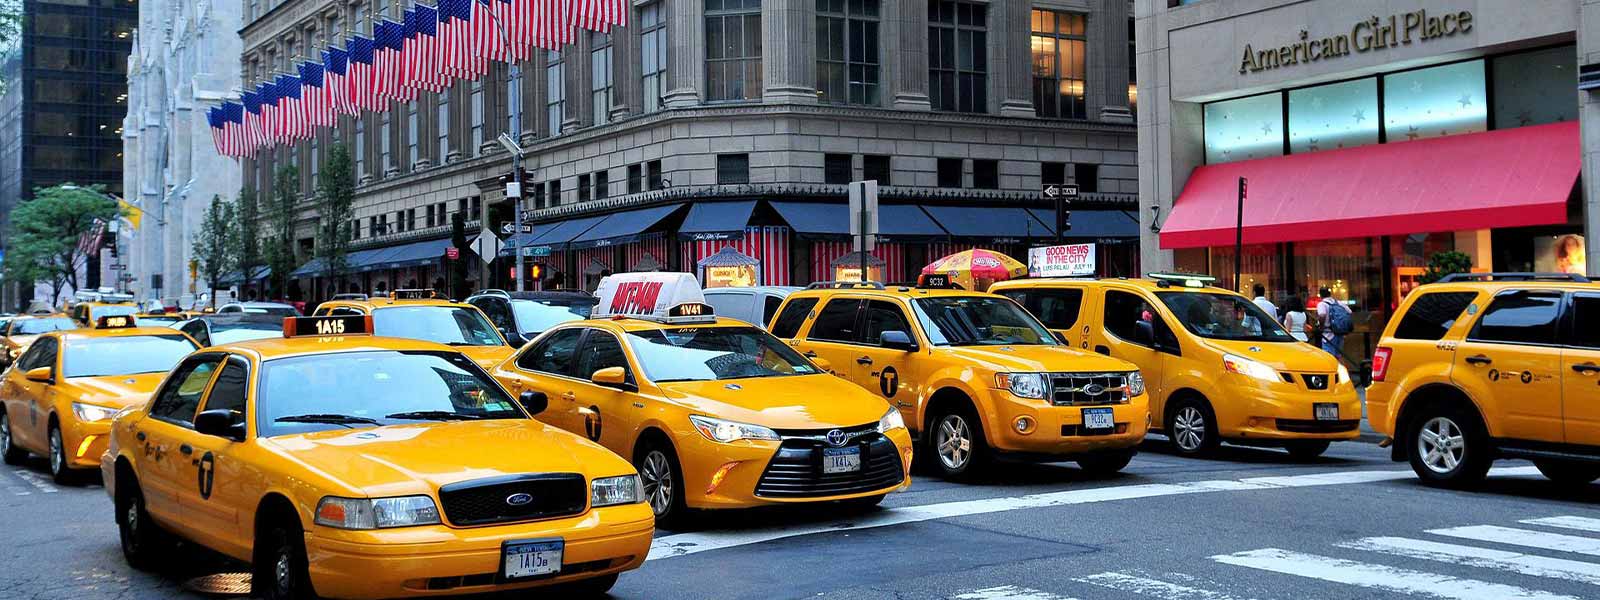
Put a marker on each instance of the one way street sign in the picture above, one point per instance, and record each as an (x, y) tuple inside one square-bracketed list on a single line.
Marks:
[(508, 227), (1060, 190)]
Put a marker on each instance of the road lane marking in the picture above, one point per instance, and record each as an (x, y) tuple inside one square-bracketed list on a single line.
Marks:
[(1009, 592), (35, 480), (1578, 523), (15, 488), (1151, 587), (1381, 577), (684, 544), (1484, 558), (1524, 537)]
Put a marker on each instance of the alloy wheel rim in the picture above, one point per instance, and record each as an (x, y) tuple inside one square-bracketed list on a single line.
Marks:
[(131, 521), (657, 475), (57, 459), (280, 569), (5, 433), (1189, 428), (954, 442), (1442, 445)]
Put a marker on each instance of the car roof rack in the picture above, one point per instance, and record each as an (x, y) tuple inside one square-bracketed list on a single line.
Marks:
[(1514, 276), (845, 285)]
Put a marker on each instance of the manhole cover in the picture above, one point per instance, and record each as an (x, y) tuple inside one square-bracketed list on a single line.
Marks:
[(220, 584)]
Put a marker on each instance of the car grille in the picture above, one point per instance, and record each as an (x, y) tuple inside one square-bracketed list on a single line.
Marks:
[(1075, 389), (796, 470), (484, 501), (1314, 426)]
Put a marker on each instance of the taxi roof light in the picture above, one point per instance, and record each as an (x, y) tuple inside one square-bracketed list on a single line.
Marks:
[(414, 294), (103, 296), (845, 285), (1192, 280), (116, 322), (298, 327), (673, 298)]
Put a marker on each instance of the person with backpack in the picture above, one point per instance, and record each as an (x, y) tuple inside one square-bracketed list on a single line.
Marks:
[(1336, 322)]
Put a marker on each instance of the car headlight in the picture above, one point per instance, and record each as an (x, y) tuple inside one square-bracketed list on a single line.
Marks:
[(377, 513), (718, 430), (1135, 384), (891, 420), (1245, 366), (1344, 374), (1022, 385), (611, 491), (89, 412)]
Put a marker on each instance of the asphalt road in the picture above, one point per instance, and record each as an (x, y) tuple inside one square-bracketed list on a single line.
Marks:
[(1247, 524)]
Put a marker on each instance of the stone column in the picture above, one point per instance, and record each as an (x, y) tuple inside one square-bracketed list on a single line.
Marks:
[(627, 93), (905, 63), (1589, 125), (577, 78), (1011, 82), (532, 102), (788, 62), (687, 54), (1108, 66)]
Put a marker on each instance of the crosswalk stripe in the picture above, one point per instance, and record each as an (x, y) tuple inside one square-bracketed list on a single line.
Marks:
[(1381, 577), (1524, 537), (1578, 523), (1151, 587), (15, 488), (1009, 592), (1483, 558), (35, 480)]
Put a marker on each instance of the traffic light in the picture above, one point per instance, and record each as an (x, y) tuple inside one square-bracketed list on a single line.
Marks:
[(535, 271)]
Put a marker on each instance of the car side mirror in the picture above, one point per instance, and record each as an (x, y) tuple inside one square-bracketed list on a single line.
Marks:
[(515, 339), (41, 375), (534, 402), (1144, 334), (611, 377), (823, 364), (897, 340), (221, 423)]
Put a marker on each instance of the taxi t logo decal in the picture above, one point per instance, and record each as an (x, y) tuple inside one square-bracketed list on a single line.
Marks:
[(591, 424), (208, 470), (889, 382), (1527, 376)]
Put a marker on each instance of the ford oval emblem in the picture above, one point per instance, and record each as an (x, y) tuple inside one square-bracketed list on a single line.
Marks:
[(1094, 389), (519, 499), (837, 437)]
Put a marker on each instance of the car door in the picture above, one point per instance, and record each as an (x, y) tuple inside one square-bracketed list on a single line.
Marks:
[(835, 335), (41, 396), (549, 367), (1512, 353), (1580, 371), (165, 471), (27, 397), (600, 407), (1128, 329), (218, 486), (888, 372)]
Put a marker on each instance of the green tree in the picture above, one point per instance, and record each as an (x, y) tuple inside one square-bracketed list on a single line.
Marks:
[(1446, 263), (216, 245), (280, 235), (336, 196), (249, 212), (46, 231)]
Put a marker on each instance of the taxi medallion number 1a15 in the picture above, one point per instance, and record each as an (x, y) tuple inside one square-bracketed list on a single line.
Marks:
[(330, 327)]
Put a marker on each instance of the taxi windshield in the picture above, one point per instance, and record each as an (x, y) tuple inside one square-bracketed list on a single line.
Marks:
[(114, 310), (535, 315), (123, 355), (452, 325), (1223, 317), (712, 353), (38, 326), (228, 333), (373, 388), (979, 321)]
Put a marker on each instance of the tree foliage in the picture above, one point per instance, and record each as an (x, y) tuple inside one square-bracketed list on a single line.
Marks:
[(1446, 263), (336, 195), (46, 231), (249, 212), (279, 249), (217, 244)]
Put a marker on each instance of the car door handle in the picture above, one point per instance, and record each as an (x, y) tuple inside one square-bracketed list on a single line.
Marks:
[(139, 436), (186, 449), (1587, 368), (570, 396), (810, 354), (1479, 360), (865, 360)]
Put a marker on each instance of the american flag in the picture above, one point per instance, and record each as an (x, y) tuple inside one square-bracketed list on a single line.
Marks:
[(254, 138), (292, 109), (387, 38), (409, 55), (268, 94), (455, 24), (314, 94), (359, 76), (600, 15), (428, 74), (233, 125), (479, 32), (336, 61), (549, 22), (219, 131)]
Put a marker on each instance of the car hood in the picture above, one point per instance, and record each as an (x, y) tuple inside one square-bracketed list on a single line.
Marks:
[(112, 391), (1025, 359), (419, 458), (1281, 356), (819, 401), (487, 356)]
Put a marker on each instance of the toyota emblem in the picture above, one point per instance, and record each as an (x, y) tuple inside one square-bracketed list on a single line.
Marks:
[(1094, 389), (519, 499), (837, 437)]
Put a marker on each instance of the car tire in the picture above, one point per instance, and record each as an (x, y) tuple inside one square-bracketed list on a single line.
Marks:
[(593, 587), (9, 451), (1192, 427), (281, 571), (1465, 454), (1306, 450), (1569, 473), (956, 444), (663, 483), (144, 543), (60, 472), (1105, 464)]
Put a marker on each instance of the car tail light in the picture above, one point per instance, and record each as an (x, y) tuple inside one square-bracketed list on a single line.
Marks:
[(1380, 363)]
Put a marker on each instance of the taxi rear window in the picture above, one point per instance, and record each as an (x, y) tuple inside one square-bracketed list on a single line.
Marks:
[(124, 355), (1432, 314), (452, 325)]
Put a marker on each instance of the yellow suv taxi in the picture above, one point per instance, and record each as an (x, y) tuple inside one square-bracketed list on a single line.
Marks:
[(1484, 366), (973, 374), (423, 315), (89, 306), (348, 466), (714, 412), (1218, 368), (59, 400)]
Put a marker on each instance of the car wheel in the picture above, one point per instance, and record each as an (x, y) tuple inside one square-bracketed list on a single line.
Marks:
[(281, 571), (1192, 427), (59, 471), (587, 588), (1569, 473), (1306, 450), (957, 444), (1106, 463), (663, 483), (1449, 447), (8, 446), (143, 541)]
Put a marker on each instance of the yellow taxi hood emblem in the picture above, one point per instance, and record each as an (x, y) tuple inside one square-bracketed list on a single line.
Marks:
[(782, 402), (1033, 359)]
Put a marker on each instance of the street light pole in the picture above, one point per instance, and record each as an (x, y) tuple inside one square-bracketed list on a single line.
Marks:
[(515, 98)]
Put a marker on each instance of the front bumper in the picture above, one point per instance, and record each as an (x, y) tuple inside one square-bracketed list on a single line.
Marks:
[(439, 560), (701, 461), (1057, 430), (1282, 412), (84, 442)]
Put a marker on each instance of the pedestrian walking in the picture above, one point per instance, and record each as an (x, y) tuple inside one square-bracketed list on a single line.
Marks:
[(1336, 322), (1294, 319), (1262, 301)]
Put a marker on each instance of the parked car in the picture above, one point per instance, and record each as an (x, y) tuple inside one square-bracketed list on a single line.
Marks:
[(522, 316), (275, 309), (754, 305)]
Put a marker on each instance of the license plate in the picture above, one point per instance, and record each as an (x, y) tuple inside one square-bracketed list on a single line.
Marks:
[(1326, 411), (531, 559), (841, 460), (1098, 419)]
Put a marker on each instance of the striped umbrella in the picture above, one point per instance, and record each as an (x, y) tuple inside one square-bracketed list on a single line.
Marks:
[(976, 269)]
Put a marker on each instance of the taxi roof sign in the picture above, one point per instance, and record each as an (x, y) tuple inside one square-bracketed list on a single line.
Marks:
[(1194, 280), (294, 327), (116, 322), (420, 294), (660, 297)]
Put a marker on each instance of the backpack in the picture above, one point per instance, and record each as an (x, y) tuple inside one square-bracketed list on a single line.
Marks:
[(1339, 318)]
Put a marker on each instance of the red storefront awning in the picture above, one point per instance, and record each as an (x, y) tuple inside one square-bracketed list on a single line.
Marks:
[(1505, 178)]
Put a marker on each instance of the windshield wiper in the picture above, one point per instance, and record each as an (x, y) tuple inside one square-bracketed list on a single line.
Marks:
[(329, 418), (432, 415)]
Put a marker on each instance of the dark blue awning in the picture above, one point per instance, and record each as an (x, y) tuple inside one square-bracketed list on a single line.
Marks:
[(312, 268), (991, 224), (896, 222), (623, 227), (259, 273), (414, 254), (710, 221), (362, 261), (1106, 225), (557, 235)]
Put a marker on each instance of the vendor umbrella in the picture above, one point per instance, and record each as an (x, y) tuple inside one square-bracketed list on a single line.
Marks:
[(976, 269)]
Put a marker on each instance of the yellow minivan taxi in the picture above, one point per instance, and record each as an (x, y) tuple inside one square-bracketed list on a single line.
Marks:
[(423, 315), (1218, 368), (349, 466), (715, 413)]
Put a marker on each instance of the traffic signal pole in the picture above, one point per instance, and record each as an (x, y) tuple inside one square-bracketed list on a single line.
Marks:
[(514, 80)]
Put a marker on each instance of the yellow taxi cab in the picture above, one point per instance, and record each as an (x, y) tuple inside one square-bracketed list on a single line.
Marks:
[(160, 319), (972, 373), (90, 305), (1484, 366), (715, 413), (59, 400), (22, 331), (1218, 368), (344, 465), (423, 315)]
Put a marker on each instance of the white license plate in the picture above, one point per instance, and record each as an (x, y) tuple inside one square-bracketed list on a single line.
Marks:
[(1098, 418), (1326, 411), (531, 559), (841, 460)]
